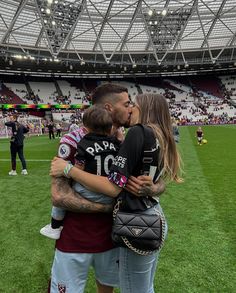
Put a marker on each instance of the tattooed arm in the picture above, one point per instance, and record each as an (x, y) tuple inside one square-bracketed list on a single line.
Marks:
[(65, 197)]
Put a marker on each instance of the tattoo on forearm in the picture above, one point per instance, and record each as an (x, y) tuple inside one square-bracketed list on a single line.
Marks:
[(62, 185), (149, 191), (70, 200)]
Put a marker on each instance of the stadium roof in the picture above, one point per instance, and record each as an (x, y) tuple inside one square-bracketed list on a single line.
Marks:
[(117, 35)]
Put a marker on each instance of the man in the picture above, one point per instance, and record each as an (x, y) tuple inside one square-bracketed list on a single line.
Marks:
[(85, 239), (199, 135), (17, 144), (51, 130)]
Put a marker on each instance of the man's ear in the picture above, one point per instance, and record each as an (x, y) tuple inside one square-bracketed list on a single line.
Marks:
[(108, 107)]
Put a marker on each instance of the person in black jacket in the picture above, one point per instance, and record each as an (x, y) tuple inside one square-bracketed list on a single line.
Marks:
[(51, 130), (17, 144)]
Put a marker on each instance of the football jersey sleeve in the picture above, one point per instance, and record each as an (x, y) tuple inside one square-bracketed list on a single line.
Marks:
[(128, 157), (67, 152), (68, 145)]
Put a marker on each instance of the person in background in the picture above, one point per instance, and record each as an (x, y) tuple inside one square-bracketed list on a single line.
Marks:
[(17, 144), (74, 126), (199, 135), (175, 130), (58, 129), (51, 130), (43, 128)]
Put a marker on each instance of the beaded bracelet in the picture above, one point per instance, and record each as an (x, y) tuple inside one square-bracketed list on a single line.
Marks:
[(67, 169)]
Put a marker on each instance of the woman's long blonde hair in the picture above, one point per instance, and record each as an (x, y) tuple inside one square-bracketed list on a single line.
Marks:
[(154, 112)]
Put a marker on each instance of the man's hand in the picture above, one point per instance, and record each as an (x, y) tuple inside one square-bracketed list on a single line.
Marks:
[(57, 167), (143, 186)]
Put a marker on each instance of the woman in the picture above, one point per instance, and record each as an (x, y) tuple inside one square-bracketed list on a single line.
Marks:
[(136, 272)]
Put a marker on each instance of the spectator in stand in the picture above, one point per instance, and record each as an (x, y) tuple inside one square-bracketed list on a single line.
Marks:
[(51, 130), (17, 144)]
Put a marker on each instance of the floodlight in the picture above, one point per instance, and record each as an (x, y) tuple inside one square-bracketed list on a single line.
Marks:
[(164, 12)]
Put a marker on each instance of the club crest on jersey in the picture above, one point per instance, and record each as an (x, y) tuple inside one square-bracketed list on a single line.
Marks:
[(61, 288), (64, 151)]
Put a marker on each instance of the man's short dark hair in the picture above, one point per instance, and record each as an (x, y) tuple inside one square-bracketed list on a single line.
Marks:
[(107, 91), (98, 120)]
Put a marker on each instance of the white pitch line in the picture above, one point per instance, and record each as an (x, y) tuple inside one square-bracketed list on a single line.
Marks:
[(7, 160)]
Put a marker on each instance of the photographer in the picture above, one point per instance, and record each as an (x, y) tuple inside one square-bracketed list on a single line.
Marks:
[(17, 144)]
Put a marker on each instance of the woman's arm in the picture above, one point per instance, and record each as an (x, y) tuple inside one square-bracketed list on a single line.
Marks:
[(93, 182)]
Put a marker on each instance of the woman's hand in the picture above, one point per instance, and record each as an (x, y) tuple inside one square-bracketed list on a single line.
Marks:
[(57, 167), (136, 185), (144, 186)]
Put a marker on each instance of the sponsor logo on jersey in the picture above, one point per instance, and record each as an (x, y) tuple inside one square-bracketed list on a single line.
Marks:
[(64, 151), (120, 161)]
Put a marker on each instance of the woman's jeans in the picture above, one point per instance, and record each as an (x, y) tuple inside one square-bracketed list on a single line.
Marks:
[(137, 272)]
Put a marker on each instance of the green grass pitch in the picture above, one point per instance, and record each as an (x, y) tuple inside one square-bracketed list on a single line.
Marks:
[(200, 252)]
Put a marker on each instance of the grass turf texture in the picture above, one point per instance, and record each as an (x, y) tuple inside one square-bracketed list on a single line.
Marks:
[(199, 254)]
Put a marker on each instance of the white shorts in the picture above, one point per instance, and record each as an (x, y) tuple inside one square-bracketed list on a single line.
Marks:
[(70, 270), (199, 138)]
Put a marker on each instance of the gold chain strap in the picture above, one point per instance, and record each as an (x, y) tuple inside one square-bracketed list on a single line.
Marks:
[(130, 246)]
